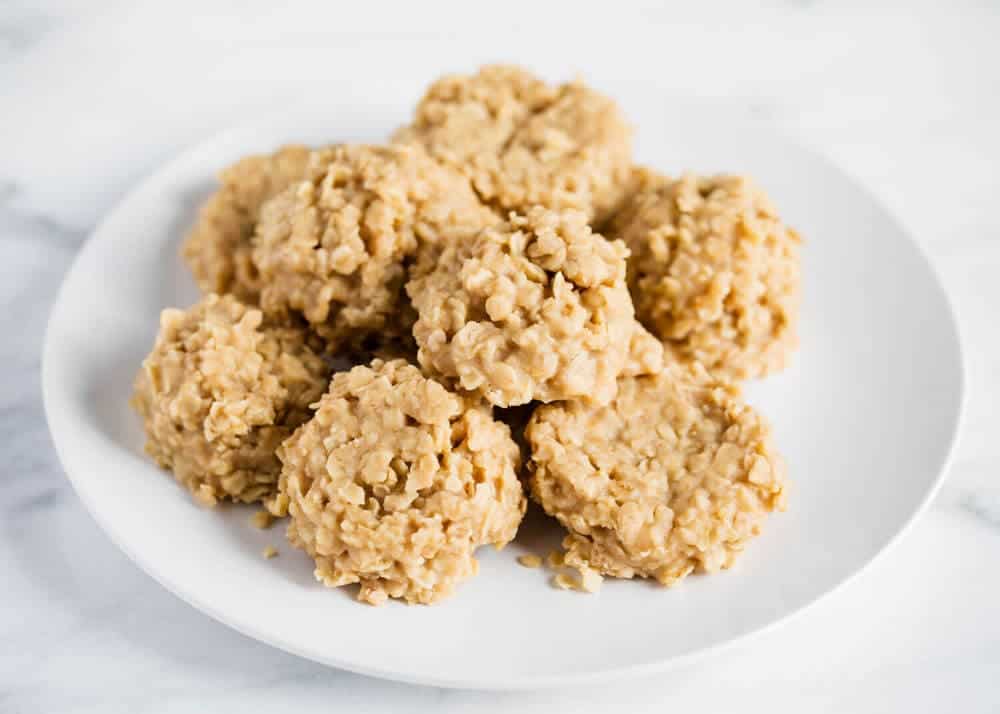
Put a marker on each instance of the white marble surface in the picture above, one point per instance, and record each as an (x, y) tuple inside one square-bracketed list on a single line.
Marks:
[(95, 95)]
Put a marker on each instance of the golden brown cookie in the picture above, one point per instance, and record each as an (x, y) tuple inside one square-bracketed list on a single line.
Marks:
[(218, 247), (396, 481), (675, 475), (334, 248), (535, 308), (713, 271), (524, 143), (219, 393)]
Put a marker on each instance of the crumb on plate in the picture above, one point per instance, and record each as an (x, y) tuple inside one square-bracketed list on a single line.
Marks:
[(529, 560)]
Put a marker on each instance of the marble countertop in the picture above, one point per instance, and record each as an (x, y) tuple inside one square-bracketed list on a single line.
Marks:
[(93, 96)]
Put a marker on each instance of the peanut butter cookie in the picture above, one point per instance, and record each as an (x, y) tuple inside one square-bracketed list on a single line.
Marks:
[(535, 308), (396, 481), (218, 247), (524, 143), (713, 271), (675, 475), (334, 248), (220, 391)]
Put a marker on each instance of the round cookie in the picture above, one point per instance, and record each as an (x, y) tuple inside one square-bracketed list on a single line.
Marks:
[(523, 143), (535, 308), (713, 271), (334, 248), (218, 247), (396, 481), (674, 475), (464, 121), (219, 392)]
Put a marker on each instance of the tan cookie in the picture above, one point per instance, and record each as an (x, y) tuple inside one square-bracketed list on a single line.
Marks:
[(218, 248), (675, 475), (463, 120), (713, 271), (334, 248), (396, 481), (524, 143), (535, 308), (219, 393)]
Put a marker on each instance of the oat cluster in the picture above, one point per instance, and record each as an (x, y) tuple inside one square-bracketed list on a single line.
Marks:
[(219, 393), (713, 271), (524, 143), (218, 248), (673, 476), (512, 305), (534, 308), (396, 481), (334, 248)]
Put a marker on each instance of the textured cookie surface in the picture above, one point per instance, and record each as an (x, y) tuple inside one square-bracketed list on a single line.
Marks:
[(713, 271), (334, 248), (218, 248), (535, 308), (396, 481), (523, 143), (218, 394), (675, 475)]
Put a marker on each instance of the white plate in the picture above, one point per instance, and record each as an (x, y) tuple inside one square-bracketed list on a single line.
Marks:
[(866, 417)]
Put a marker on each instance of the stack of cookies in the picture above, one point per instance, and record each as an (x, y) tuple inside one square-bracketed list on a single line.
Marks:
[(525, 311)]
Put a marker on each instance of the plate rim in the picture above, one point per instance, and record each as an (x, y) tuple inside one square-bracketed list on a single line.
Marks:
[(529, 682)]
